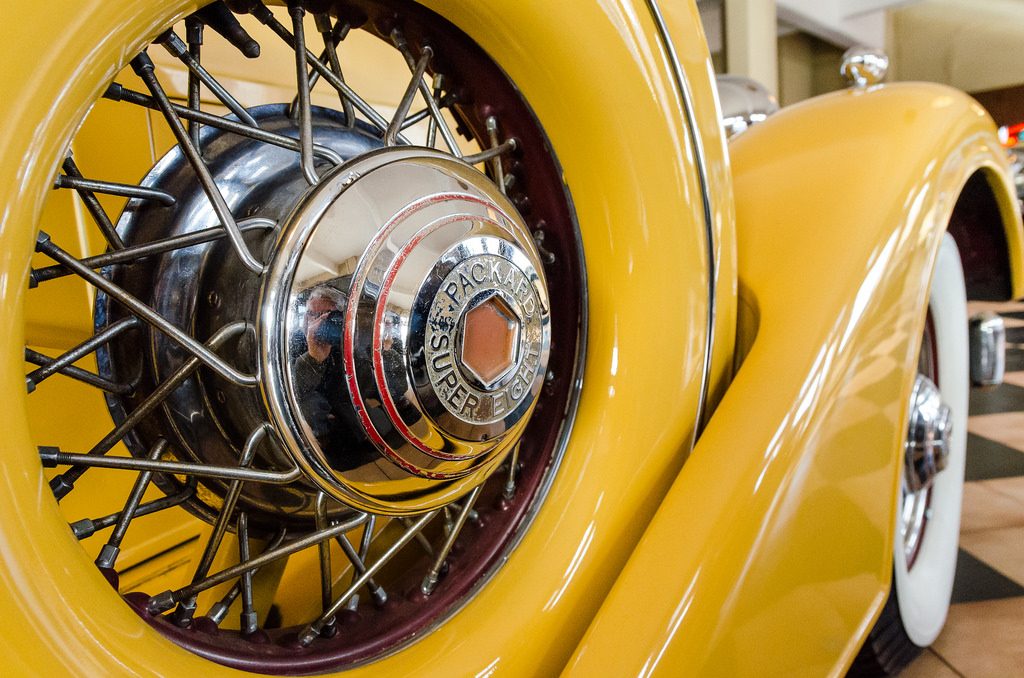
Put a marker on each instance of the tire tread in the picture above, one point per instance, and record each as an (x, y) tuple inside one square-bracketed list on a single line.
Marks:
[(888, 649)]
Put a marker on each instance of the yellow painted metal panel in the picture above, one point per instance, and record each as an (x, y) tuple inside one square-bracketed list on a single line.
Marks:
[(774, 546), (595, 75)]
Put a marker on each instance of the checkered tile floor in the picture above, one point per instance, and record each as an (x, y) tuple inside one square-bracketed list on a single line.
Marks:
[(984, 634)]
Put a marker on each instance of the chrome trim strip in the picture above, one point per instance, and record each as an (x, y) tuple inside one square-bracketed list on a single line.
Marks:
[(702, 173)]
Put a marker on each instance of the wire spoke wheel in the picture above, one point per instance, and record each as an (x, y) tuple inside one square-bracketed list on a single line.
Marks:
[(334, 329)]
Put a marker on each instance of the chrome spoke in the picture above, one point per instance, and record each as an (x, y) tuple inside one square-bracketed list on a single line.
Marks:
[(143, 67), (164, 601), (177, 48), (302, 84), (265, 17), (312, 631), (76, 373), (134, 253), (80, 183), (194, 36), (87, 527), (108, 554), (186, 608), (431, 578), (442, 125), (491, 153), (116, 92), (75, 354), (358, 561), (432, 124), (324, 550), (145, 313), (248, 624), (52, 457), (335, 36), (496, 167), (64, 482), (99, 215), (219, 610), (391, 135), (332, 37), (509, 491)]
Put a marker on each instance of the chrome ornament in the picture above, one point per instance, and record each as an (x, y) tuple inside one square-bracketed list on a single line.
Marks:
[(484, 338), (864, 66), (405, 331)]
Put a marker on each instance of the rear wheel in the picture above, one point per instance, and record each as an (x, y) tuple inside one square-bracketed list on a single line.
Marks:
[(928, 512)]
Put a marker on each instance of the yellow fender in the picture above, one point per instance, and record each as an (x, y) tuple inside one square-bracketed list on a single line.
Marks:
[(639, 206), (773, 549)]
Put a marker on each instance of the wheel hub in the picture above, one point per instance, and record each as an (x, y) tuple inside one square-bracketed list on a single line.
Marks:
[(403, 321), (927, 448), (404, 331)]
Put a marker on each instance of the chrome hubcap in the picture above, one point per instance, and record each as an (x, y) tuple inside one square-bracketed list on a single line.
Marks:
[(927, 448), (411, 277), (926, 452)]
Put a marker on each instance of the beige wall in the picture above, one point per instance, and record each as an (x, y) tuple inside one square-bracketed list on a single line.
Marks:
[(807, 67), (970, 44)]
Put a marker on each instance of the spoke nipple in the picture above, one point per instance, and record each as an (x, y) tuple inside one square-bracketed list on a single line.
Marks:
[(250, 624), (186, 611), (398, 39), (160, 603), (108, 556), (60, 486), (114, 92), (262, 13), (429, 582), (83, 528), (48, 456), (218, 612), (380, 596), (308, 635), (41, 239), (30, 385), (142, 63), (352, 605)]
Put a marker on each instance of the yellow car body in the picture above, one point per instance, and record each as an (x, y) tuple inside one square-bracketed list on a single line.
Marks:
[(763, 546)]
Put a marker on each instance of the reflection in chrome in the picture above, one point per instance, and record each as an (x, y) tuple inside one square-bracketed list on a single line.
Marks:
[(864, 66), (926, 452), (988, 349), (375, 292), (744, 101)]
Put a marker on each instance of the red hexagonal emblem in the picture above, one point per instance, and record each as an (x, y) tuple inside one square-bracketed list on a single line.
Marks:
[(490, 340)]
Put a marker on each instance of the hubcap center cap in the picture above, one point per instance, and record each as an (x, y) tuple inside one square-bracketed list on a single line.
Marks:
[(405, 331)]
